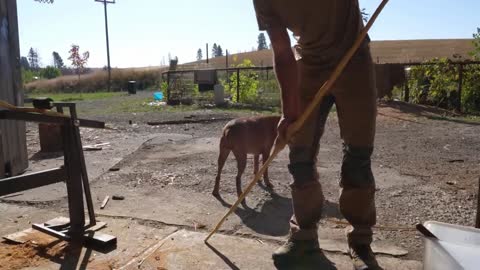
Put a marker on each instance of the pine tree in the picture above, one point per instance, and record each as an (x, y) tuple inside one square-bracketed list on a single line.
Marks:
[(199, 55), (262, 42), (219, 51), (57, 60), (33, 59), (24, 63), (214, 50)]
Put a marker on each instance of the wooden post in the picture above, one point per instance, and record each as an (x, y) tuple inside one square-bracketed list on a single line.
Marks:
[(13, 132), (168, 86), (226, 59), (406, 98), (207, 52), (460, 86)]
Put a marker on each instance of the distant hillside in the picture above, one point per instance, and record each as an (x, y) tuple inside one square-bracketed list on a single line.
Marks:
[(383, 52)]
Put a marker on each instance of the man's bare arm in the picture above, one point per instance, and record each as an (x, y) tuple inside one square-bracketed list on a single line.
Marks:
[(287, 73)]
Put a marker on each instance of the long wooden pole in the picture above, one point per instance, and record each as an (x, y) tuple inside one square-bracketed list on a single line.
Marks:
[(280, 145)]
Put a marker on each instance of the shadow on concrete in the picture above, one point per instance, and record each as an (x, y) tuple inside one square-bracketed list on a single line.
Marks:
[(272, 217), (42, 156), (223, 257), (317, 260), (74, 255)]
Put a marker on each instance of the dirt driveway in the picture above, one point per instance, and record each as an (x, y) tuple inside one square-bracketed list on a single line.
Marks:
[(426, 166)]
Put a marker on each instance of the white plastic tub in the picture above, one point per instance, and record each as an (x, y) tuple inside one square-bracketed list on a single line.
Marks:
[(458, 247)]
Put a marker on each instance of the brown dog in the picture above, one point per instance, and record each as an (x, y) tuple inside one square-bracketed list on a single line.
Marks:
[(242, 136)]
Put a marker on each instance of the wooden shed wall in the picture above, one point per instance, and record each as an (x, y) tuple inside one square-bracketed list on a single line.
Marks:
[(12, 132)]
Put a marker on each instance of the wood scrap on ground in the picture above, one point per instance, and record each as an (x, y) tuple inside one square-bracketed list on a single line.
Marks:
[(105, 201)]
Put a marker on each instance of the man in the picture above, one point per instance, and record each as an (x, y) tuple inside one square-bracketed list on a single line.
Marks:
[(325, 30)]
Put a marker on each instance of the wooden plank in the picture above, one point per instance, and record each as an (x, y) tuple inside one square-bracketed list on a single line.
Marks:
[(14, 135), (30, 181), (105, 201)]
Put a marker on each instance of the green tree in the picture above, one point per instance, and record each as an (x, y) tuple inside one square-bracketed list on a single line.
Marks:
[(219, 51), (57, 60), (78, 61), (214, 50), (476, 43), (24, 63), (50, 72), (199, 55), (262, 42), (33, 59)]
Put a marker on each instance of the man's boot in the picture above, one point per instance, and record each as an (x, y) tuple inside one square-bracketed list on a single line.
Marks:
[(303, 240), (363, 257), (294, 251)]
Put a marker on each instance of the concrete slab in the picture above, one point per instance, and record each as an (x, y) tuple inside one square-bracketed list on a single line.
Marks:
[(175, 207), (98, 162), (16, 218), (186, 250)]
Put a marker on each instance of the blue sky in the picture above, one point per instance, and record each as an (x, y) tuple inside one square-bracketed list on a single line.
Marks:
[(143, 32)]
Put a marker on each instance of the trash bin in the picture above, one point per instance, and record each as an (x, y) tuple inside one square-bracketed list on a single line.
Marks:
[(132, 87)]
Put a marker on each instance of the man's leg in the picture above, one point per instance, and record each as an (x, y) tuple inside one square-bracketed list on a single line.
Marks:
[(307, 197), (356, 107)]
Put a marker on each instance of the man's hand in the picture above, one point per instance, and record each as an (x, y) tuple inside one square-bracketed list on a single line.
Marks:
[(283, 125)]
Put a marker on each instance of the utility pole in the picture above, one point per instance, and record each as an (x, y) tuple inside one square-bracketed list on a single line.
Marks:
[(207, 52), (105, 2)]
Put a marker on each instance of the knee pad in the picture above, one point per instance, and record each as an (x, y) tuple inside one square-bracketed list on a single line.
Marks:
[(303, 172), (356, 167)]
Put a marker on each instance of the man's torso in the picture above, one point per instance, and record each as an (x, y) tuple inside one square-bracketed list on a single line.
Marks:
[(324, 29)]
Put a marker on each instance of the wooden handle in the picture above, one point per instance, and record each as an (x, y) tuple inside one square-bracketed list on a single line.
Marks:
[(324, 90), (11, 107)]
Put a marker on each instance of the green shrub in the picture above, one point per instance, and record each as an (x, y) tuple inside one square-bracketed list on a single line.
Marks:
[(28, 75), (50, 72), (436, 84), (248, 84)]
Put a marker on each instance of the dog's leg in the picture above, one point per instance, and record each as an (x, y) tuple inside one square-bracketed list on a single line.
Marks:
[(222, 157), (256, 164), (266, 180), (241, 164)]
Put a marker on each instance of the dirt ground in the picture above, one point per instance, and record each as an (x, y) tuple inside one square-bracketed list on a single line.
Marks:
[(426, 165)]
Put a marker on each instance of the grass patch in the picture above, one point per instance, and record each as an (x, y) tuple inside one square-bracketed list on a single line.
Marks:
[(140, 105), (468, 119), (67, 97)]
